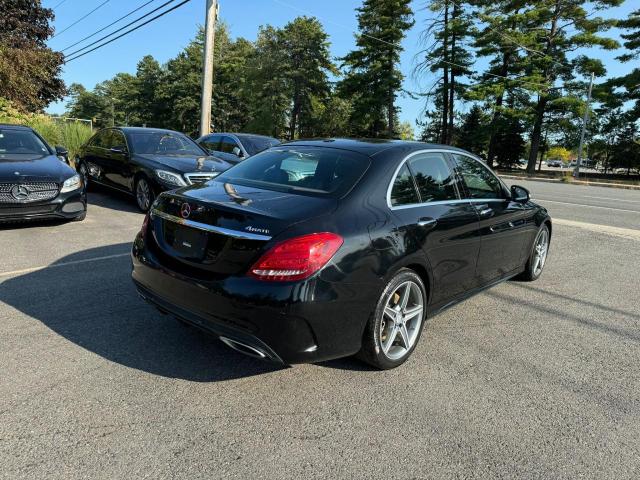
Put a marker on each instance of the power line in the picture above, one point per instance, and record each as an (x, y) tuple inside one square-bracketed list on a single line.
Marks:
[(104, 28), (81, 18), (58, 4), (128, 31), (120, 29)]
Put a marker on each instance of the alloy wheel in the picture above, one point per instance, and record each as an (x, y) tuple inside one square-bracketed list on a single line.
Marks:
[(540, 251), (401, 321), (143, 194)]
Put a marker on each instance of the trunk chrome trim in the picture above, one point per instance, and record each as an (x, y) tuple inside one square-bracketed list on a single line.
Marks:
[(210, 228)]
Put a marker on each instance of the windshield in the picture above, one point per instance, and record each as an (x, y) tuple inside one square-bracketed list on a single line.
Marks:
[(163, 143), (20, 142), (311, 170), (255, 145)]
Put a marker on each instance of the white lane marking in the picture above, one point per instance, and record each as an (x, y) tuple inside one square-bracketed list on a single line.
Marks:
[(595, 227), (62, 264), (609, 198), (584, 205)]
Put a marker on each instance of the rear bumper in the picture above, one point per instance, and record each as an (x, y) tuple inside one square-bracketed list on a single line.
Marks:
[(302, 322), (65, 206)]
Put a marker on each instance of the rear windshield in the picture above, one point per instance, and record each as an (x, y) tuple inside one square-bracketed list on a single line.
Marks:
[(255, 145), (16, 142), (311, 170)]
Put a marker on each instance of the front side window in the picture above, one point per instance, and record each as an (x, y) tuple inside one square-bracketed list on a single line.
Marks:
[(211, 143), (101, 139), (480, 182), (117, 139), (434, 178), (228, 144), (404, 190), (17, 142), (163, 143), (313, 170)]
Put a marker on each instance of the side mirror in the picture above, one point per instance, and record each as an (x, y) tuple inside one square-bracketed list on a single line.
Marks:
[(237, 152), (63, 153), (519, 194), (121, 149)]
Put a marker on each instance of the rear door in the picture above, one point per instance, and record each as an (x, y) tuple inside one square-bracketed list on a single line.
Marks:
[(504, 224), (428, 207)]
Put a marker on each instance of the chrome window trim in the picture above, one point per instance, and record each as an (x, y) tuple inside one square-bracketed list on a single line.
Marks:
[(209, 228), (413, 205)]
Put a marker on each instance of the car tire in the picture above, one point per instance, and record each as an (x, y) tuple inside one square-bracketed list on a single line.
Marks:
[(538, 256), (143, 193), (388, 342)]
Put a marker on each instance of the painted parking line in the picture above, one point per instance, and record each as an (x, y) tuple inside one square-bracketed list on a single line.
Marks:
[(62, 264), (629, 233), (585, 205)]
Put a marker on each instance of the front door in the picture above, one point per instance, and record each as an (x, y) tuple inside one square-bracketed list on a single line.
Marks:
[(504, 224)]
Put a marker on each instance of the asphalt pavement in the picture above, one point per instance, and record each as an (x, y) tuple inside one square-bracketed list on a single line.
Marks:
[(526, 380)]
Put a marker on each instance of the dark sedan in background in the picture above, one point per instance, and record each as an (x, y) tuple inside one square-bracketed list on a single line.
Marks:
[(145, 162), (320, 249), (235, 147), (35, 181)]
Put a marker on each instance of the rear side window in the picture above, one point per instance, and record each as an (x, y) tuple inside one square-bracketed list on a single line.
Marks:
[(211, 142), (312, 170), (434, 178), (480, 182), (404, 190)]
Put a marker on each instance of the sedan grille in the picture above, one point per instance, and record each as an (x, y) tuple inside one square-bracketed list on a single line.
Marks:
[(200, 177), (28, 192)]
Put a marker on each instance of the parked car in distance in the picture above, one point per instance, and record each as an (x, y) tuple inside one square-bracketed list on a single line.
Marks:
[(145, 161), (235, 147), (35, 181), (555, 163), (315, 250)]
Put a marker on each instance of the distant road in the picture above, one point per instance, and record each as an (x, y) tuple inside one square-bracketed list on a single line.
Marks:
[(586, 203)]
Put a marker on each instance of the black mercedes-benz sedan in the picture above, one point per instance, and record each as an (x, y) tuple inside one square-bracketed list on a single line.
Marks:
[(145, 161), (314, 250), (35, 181)]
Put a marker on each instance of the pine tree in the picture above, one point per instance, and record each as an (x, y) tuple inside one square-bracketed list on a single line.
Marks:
[(473, 133), (372, 78)]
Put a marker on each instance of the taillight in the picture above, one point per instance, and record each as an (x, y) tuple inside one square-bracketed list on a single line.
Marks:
[(297, 258)]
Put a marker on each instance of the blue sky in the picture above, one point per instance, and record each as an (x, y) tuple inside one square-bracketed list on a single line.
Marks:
[(165, 37)]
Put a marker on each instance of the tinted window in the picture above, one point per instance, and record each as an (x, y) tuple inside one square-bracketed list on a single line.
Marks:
[(480, 182), (304, 169), (434, 178), (117, 139), (101, 139), (162, 143), (404, 191), (254, 144), (211, 142), (227, 145), (16, 142)]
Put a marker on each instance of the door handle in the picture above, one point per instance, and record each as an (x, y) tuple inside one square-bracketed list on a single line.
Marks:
[(427, 222), (486, 212)]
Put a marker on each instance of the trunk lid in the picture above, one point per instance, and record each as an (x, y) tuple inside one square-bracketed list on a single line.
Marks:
[(219, 229)]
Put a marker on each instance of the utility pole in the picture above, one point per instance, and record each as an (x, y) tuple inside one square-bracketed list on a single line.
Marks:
[(585, 119), (207, 66)]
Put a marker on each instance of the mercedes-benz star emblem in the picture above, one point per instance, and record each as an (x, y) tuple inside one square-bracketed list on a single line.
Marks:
[(20, 192), (185, 210)]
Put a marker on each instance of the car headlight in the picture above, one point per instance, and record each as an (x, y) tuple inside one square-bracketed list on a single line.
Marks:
[(71, 184), (170, 178)]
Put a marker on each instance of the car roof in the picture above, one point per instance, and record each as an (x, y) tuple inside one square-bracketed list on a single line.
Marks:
[(15, 127), (374, 146), (146, 130), (241, 135)]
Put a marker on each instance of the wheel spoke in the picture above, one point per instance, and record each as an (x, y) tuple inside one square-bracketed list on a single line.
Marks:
[(390, 312), (405, 296), (404, 333), (409, 313), (391, 337)]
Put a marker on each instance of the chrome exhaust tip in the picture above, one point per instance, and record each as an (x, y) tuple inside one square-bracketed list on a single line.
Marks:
[(244, 348)]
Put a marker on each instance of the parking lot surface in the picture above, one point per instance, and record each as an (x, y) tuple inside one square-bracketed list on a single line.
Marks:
[(526, 380)]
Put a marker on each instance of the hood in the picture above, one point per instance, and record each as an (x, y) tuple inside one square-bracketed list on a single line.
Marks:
[(187, 163), (28, 167)]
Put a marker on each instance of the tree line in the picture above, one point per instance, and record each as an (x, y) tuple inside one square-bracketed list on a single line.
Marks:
[(505, 79)]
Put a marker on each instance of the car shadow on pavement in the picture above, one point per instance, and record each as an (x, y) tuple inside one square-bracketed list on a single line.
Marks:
[(88, 298), (51, 222), (110, 198)]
